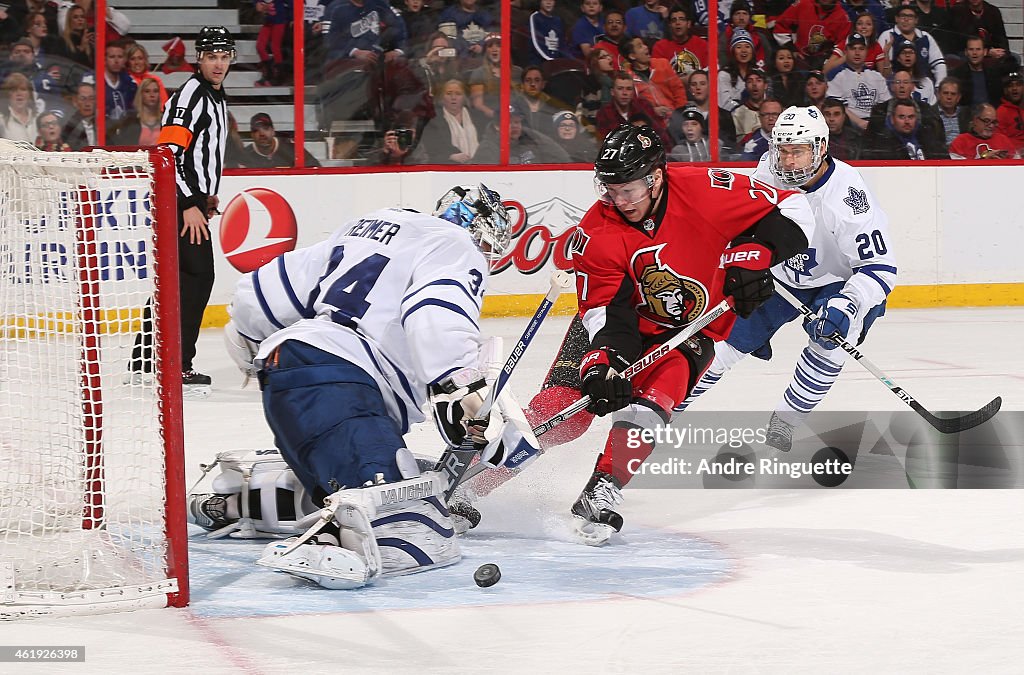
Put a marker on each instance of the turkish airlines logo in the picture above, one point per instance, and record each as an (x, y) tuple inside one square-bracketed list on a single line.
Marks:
[(257, 226)]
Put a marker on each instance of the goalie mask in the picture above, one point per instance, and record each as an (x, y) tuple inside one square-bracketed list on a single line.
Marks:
[(793, 164), (479, 210)]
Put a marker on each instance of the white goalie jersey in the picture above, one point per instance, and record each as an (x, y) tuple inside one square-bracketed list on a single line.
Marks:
[(851, 242), (395, 292)]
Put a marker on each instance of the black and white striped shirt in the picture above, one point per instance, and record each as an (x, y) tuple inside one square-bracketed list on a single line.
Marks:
[(195, 125)]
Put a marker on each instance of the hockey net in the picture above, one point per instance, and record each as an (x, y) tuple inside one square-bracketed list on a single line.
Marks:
[(91, 473)]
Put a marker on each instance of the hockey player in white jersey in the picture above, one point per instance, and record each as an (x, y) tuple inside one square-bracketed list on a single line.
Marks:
[(348, 337), (845, 274)]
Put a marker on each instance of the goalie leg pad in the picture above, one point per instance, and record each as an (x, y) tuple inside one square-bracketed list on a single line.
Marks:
[(383, 530), (418, 537), (349, 560)]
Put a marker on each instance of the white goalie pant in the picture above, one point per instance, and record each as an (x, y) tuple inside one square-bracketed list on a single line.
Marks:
[(385, 530)]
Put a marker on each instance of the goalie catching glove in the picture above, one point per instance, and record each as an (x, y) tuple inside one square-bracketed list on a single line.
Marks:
[(835, 316), (457, 400), (242, 350), (601, 381), (748, 277)]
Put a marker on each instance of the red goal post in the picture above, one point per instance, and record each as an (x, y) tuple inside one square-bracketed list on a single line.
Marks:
[(92, 494)]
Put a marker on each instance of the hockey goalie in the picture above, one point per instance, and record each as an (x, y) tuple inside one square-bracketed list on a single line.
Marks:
[(349, 339)]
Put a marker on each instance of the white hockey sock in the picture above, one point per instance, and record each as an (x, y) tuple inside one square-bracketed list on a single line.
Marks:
[(812, 379)]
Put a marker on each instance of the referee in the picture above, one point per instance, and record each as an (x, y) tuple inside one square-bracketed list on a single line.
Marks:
[(195, 126)]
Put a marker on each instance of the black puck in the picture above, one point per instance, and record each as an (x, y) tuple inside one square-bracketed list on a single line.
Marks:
[(487, 575)]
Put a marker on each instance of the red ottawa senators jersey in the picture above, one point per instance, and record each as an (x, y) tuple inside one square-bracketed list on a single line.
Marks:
[(665, 272)]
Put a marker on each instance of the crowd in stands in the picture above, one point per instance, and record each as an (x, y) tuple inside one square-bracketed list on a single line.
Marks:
[(915, 79)]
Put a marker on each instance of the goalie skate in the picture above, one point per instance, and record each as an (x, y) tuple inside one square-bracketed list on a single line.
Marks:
[(464, 515), (594, 519)]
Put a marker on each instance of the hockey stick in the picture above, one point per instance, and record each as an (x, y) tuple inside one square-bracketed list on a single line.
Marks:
[(455, 461), (946, 426)]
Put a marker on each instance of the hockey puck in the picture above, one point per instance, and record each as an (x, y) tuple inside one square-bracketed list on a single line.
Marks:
[(487, 575)]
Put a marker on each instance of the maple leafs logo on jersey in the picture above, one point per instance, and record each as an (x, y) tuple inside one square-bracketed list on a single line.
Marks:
[(857, 200), (802, 263), (669, 299)]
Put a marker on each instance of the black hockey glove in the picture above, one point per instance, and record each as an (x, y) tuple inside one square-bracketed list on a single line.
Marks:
[(457, 401), (748, 277), (600, 380)]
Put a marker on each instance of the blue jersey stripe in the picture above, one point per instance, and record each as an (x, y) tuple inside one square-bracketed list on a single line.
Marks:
[(401, 405), (286, 286), (872, 270), (262, 299), (432, 302), (445, 282)]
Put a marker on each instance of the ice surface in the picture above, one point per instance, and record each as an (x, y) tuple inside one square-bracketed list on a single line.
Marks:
[(701, 581)]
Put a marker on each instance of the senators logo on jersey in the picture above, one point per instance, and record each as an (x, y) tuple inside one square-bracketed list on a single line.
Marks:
[(669, 299)]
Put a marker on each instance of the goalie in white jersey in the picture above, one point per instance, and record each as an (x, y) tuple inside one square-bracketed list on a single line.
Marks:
[(349, 337), (845, 274)]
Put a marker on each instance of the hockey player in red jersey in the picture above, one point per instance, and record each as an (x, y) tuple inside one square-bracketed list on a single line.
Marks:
[(660, 247)]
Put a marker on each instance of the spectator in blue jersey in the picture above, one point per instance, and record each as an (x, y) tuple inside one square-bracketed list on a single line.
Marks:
[(586, 29), (928, 51), (121, 87), (547, 34), (647, 20), (756, 142), (365, 31), (468, 25)]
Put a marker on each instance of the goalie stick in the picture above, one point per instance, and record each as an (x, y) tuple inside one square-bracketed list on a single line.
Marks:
[(455, 461), (518, 460), (950, 425)]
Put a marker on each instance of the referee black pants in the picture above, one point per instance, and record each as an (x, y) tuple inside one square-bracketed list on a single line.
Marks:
[(195, 279), (195, 282)]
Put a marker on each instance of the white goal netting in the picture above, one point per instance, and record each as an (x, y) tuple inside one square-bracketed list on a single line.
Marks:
[(82, 445)]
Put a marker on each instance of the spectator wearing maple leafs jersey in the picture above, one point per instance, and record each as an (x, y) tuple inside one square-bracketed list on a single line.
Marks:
[(547, 34)]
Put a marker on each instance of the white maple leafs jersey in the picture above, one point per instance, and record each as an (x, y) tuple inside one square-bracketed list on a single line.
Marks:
[(851, 242), (396, 292)]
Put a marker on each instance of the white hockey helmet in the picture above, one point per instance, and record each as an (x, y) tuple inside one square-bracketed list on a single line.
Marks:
[(479, 210), (798, 125)]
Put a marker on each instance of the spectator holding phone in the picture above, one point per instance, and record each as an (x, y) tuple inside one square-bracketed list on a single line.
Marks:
[(78, 41)]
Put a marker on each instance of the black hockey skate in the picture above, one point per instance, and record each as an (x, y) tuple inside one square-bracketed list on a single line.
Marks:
[(779, 434), (209, 511), (594, 518), (195, 385)]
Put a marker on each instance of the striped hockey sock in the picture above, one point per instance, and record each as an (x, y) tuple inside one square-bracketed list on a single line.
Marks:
[(812, 379)]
